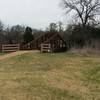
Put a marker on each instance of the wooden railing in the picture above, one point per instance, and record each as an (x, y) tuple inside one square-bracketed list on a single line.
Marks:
[(46, 48), (10, 47)]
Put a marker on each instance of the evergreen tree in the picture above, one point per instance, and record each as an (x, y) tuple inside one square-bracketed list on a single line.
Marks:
[(28, 36)]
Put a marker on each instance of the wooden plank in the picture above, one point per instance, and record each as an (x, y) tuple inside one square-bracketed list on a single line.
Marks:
[(45, 50), (11, 50), (10, 47), (10, 44), (46, 47)]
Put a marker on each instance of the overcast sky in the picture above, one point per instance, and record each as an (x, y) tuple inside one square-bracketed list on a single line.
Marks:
[(34, 13)]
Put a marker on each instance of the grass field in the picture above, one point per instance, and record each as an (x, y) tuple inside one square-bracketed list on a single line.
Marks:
[(60, 76), (1, 54)]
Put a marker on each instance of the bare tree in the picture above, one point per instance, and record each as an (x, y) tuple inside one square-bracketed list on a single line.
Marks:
[(85, 10), (14, 34), (60, 26), (1, 32), (53, 27), (1, 26)]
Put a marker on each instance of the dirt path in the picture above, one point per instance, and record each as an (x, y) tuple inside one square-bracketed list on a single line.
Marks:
[(14, 54)]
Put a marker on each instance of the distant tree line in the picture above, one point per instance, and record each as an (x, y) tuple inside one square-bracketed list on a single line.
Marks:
[(17, 34), (86, 28), (75, 35), (24, 34), (79, 37)]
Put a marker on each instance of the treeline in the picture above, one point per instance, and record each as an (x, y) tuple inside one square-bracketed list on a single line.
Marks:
[(86, 30), (17, 34), (75, 35), (24, 34), (83, 37)]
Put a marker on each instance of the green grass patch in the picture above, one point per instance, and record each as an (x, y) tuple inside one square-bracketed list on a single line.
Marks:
[(92, 75), (1, 53)]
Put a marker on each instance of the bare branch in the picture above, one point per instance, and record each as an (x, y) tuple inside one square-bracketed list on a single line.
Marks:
[(85, 9)]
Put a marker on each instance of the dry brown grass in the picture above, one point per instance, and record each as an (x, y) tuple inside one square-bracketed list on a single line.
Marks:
[(64, 76), (9, 55)]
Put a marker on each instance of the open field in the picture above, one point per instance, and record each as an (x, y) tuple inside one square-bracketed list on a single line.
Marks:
[(60, 76)]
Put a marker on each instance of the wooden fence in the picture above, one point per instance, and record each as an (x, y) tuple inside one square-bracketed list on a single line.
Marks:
[(10, 48), (45, 47)]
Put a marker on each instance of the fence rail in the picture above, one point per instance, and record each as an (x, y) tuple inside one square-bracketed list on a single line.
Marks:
[(45, 47), (10, 47)]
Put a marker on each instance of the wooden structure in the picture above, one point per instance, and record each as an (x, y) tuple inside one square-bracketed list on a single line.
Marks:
[(10, 47), (49, 42), (46, 48), (0, 47)]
